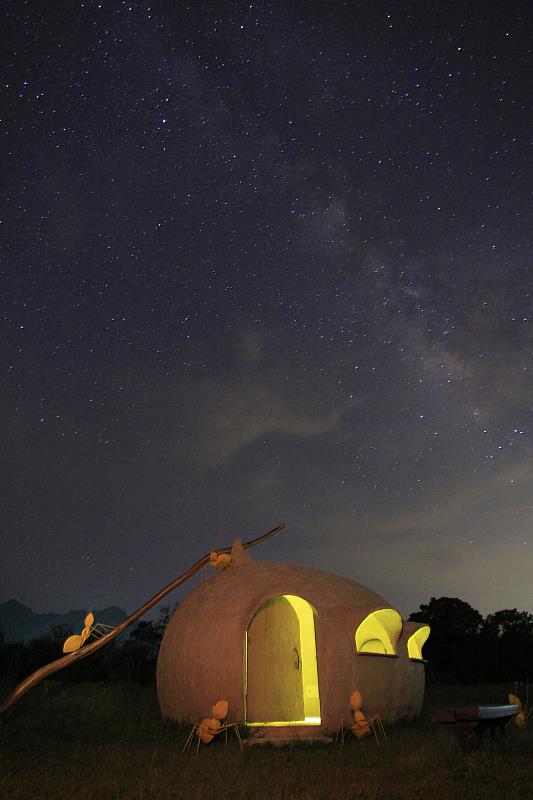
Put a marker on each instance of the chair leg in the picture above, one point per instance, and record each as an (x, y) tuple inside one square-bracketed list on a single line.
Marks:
[(377, 729), (189, 738), (340, 731), (238, 735), (235, 727)]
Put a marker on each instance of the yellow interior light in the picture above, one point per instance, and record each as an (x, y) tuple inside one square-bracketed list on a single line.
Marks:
[(303, 659), (416, 642), (306, 620), (379, 632), (374, 646)]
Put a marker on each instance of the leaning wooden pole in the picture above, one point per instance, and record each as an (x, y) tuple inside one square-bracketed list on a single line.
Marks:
[(60, 663)]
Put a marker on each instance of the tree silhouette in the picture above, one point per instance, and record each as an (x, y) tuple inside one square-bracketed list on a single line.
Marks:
[(466, 648), (506, 641), (510, 622), (452, 646)]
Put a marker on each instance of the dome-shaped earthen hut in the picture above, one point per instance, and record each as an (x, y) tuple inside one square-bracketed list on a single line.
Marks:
[(288, 645)]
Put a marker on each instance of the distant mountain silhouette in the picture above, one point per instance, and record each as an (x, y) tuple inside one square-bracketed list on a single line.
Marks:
[(20, 623)]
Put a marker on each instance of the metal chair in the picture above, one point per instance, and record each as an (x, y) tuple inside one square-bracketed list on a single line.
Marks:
[(210, 727), (361, 725)]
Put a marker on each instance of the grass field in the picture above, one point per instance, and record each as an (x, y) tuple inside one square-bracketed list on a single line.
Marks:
[(108, 742)]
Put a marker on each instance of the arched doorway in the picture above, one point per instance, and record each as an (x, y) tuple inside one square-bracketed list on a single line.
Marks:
[(281, 667)]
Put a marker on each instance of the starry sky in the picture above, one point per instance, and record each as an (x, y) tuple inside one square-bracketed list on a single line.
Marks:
[(265, 262)]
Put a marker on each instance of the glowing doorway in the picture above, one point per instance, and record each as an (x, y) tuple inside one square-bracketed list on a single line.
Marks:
[(281, 669)]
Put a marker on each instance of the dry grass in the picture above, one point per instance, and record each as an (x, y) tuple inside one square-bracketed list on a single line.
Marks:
[(108, 742)]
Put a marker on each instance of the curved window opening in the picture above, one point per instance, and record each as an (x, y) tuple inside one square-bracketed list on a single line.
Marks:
[(416, 642), (379, 632), (281, 664)]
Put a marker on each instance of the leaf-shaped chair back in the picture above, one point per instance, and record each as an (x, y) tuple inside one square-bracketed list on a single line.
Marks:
[(220, 709)]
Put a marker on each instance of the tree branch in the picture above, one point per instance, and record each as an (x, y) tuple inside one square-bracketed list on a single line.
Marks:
[(60, 663)]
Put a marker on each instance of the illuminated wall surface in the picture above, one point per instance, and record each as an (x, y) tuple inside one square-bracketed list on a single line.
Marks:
[(309, 669), (379, 632), (281, 665), (417, 641)]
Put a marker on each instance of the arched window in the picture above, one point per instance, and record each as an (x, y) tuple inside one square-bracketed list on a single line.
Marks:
[(379, 632), (416, 642)]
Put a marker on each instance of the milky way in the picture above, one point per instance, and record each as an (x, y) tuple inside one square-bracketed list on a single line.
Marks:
[(266, 262)]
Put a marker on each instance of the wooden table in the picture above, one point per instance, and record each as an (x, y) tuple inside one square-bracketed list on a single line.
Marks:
[(463, 722)]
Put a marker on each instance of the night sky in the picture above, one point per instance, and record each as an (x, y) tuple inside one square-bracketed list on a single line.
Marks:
[(266, 262)]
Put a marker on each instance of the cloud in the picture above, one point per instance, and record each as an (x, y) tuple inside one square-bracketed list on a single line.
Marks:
[(258, 392), (466, 508), (222, 417), (519, 473), (467, 545)]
